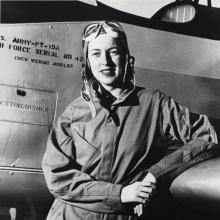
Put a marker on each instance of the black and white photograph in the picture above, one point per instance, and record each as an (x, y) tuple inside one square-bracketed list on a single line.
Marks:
[(110, 110)]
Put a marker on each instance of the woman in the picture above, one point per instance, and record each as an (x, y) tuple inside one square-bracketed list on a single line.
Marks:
[(117, 141)]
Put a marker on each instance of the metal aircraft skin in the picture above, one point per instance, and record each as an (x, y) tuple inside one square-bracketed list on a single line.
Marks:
[(41, 60)]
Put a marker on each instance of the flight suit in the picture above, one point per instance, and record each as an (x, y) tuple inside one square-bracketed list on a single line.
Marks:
[(89, 160)]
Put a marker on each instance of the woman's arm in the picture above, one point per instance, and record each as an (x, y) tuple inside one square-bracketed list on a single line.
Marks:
[(191, 139), (195, 151)]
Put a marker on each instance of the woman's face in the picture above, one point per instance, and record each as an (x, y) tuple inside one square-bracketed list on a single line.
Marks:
[(106, 60)]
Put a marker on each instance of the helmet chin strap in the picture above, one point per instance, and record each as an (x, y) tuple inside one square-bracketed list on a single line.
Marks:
[(86, 94)]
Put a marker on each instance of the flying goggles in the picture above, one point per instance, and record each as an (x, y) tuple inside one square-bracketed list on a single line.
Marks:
[(111, 28)]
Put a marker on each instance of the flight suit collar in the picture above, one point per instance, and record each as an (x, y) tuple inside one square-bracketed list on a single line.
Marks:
[(115, 101)]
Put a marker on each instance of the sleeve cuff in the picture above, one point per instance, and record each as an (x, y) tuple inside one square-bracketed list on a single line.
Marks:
[(156, 171), (114, 198)]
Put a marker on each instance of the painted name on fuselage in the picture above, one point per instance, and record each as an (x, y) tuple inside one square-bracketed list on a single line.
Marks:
[(27, 105), (24, 106)]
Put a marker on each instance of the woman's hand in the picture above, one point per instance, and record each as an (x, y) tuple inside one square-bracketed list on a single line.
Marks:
[(138, 209), (137, 192)]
